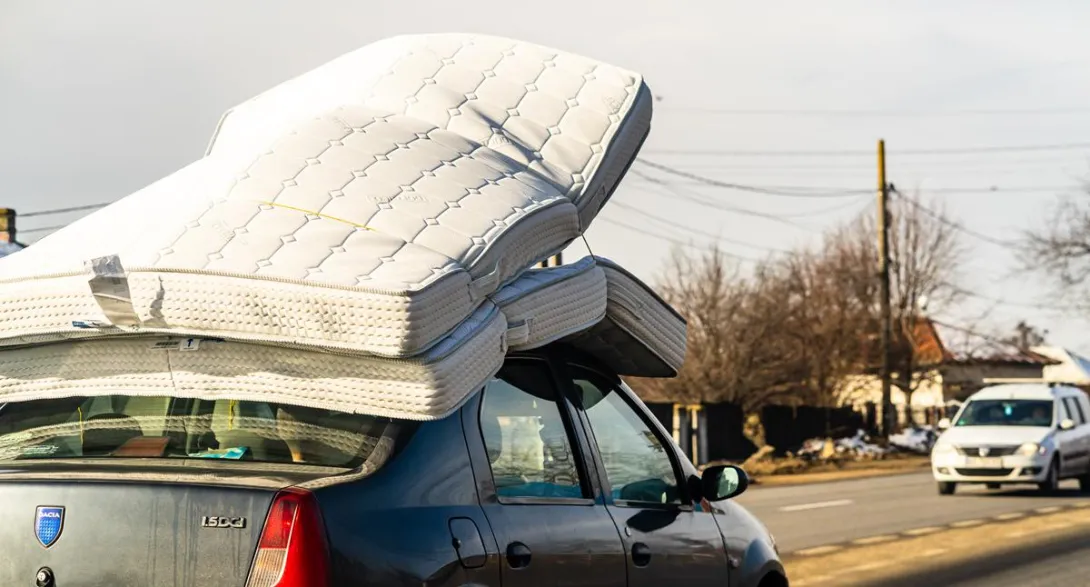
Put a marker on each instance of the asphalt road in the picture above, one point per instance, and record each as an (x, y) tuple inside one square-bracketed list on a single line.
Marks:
[(803, 517)]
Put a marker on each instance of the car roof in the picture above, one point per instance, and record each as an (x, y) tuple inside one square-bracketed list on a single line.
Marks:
[(1024, 391)]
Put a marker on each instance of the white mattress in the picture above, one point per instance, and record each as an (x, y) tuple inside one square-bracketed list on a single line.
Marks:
[(641, 335), (368, 207), (592, 303)]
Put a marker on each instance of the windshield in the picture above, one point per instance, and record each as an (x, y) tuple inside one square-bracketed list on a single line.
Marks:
[(120, 426), (1006, 413)]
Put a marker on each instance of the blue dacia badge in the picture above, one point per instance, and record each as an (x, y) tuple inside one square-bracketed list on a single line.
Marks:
[(48, 524)]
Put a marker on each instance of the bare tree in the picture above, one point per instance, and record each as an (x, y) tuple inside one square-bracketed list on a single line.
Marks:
[(1061, 249)]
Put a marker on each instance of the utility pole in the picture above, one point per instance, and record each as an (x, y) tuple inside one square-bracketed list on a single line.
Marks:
[(7, 225), (554, 261), (889, 418)]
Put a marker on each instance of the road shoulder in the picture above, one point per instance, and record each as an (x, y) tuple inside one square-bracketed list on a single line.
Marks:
[(942, 555)]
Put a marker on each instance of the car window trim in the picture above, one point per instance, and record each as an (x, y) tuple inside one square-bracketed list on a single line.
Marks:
[(586, 484), (570, 368)]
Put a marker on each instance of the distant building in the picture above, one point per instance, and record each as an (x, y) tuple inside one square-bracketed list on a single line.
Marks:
[(952, 364)]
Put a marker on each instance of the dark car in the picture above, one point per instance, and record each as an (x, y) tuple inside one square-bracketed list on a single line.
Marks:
[(554, 474)]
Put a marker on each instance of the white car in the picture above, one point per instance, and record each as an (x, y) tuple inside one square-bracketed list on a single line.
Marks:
[(1019, 433)]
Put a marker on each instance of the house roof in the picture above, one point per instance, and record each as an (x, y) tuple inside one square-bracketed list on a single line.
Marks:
[(1070, 367), (937, 343)]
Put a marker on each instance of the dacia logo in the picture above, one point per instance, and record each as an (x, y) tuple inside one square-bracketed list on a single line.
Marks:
[(222, 522)]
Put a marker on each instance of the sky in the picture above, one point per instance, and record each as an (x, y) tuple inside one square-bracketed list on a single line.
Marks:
[(100, 99)]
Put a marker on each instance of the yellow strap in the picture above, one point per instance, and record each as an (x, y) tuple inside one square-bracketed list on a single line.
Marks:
[(231, 414), (318, 214), (80, 410)]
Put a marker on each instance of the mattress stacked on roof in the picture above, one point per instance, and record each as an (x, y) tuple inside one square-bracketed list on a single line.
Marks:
[(358, 238)]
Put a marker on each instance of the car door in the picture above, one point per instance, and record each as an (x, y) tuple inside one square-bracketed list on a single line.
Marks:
[(670, 540), (1076, 457), (547, 515), (1082, 407)]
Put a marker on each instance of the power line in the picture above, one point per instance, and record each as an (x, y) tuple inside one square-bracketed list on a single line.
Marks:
[(955, 225), (690, 229), (63, 210), (41, 229), (766, 190), (861, 153), (673, 240)]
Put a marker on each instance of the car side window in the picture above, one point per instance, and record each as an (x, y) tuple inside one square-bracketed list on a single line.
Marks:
[(529, 447), (1074, 410), (637, 463), (1078, 410)]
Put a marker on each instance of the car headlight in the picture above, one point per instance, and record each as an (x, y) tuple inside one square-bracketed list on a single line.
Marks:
[(1029, 449), (943, 448)]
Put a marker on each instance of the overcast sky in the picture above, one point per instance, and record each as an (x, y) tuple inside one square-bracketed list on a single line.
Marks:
[(98, 99)]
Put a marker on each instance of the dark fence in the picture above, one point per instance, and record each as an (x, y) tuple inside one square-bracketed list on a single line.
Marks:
[(722, 433)]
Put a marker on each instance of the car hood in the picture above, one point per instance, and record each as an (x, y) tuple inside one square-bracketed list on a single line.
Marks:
[(994, 435)]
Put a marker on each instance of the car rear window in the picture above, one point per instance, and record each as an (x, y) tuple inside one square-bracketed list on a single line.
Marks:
[(122, 426)]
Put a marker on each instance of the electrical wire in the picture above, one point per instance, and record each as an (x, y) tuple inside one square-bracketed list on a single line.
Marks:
[(63, 210), (955, 225), (630, 208), (22, 231), (864, 112), (672, 240), (785, 191), (860, 153)]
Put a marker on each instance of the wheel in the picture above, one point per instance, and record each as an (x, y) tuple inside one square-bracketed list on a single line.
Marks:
[(947, 487), (992, 486), (1051, 484)]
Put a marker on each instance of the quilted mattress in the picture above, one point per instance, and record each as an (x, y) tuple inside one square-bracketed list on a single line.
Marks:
[(591, 304), (369, 207)]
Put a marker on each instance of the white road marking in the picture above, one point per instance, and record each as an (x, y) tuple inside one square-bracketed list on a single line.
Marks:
[(1048, 510), (867, 567), (818, 550), (816, 505), (818, 580), (1010, 516), (967, 523), (875, 539), (922, 531), (932, 552)]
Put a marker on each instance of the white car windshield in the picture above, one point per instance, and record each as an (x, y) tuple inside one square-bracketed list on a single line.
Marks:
[(992, 412)]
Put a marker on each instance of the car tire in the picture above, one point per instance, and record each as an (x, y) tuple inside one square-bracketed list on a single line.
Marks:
[(947, 487), (992, 486), (1084, 483), (1051, 484)]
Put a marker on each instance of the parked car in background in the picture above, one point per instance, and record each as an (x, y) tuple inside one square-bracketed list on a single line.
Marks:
[(1017, 433), (554, 473)]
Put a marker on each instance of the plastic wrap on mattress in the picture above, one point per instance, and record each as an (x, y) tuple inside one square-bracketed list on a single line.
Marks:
[(368, 207)]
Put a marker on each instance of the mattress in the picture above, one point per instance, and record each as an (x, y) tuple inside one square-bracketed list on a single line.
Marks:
[(593, 304), (641, 335), (368, 207)]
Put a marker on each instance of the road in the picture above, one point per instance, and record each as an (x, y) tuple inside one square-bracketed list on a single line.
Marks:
[(803, 517)]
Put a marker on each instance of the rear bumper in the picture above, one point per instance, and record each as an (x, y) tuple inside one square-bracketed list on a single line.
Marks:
[(1014, 469)]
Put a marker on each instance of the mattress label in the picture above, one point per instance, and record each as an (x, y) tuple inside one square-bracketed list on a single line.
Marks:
[(110, 287), (187, 344)]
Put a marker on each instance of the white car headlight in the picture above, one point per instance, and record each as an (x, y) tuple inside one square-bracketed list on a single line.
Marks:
[(1029, 449), (943, 448)]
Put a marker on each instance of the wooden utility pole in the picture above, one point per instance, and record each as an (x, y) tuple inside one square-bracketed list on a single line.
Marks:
[(889, 418), (554, 261), (7, 225)]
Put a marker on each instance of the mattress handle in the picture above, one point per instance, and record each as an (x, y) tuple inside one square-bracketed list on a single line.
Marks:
[(519, 332), (484, 285)]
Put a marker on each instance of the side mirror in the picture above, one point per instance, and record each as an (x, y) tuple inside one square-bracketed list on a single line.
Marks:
[(1067, 424), (722, 482), (944, 423)]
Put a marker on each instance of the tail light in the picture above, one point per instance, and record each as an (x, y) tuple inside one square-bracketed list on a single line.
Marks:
[(293, 551)]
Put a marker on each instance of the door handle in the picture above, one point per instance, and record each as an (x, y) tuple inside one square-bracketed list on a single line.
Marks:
[(641, 554), (518, 555)]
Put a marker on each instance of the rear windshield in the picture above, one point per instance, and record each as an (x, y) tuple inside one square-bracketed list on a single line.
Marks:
[(992, 412), (120, 426)]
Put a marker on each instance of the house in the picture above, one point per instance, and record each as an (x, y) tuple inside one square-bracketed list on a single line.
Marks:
[(950, 364)]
